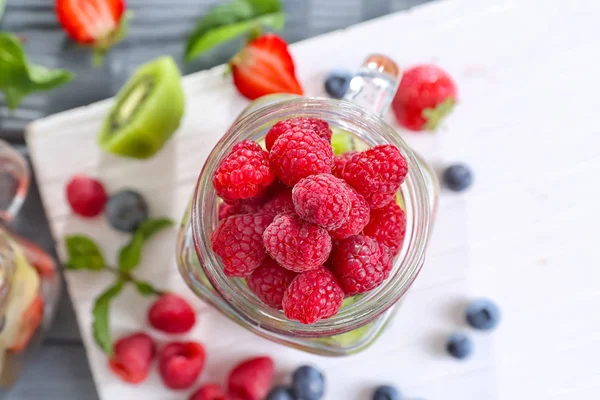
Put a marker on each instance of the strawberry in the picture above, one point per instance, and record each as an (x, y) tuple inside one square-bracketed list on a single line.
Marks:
[(263, 67), (96, 23), (425, 96)]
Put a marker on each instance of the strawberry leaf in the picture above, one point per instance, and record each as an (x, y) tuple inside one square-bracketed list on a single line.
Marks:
[(101, 322), (102, 46), (83, 253), (18, 77), (131, 254), (435, 115), (228, 21)]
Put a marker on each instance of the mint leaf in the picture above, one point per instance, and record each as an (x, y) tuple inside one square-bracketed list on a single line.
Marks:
[(146, 289), (83, 253), (101, 322), (18, 77), (227, 21), (131, 254)]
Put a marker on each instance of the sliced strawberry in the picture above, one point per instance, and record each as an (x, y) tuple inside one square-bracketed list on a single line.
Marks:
[(30, 321), (91, 22), (263, 67)]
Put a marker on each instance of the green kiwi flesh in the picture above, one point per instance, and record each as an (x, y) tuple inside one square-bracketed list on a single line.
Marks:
[(147, 111)]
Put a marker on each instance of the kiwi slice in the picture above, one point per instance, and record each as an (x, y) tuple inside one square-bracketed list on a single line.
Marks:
[(342, 141), (147, 111)]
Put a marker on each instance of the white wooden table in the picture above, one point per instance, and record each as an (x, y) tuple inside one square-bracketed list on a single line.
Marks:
[(525, 235)]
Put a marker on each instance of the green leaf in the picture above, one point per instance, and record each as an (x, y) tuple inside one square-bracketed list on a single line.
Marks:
[(83, 253), (228, 21), (18, 77), (131, 254), (146, 289), (101, 322)]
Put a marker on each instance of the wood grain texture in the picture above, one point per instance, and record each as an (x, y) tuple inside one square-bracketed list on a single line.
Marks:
[(524, 235)]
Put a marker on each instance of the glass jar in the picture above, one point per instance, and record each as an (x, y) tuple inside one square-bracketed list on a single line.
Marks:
[(362, 318), (29, 283)]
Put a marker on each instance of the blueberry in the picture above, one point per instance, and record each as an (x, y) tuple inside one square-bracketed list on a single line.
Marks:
[(483, 314), (457, 177), (126, 210), (337, 83), (386, 392), (308, 383), (281, 393), (459, 345)]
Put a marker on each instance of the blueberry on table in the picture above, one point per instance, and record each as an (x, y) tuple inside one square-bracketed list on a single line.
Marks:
[(457, 177), (281, 393), (308, 383), (126, 210), (459, 345), (386, 392), (337, 82), (483, 314)]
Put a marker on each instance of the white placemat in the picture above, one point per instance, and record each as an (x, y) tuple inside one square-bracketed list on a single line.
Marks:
[(524, 235)]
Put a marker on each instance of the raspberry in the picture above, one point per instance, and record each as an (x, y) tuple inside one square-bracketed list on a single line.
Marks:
[(243, 173), (339, 163), (377, 174), (132, 357), (388, 226), (171, 314), (180, 364), (318, 126), (278, 204), (360, 264), (238, 241), (323, 200), (296, 244), (86, 196), (251, 379), (209, 391), (358, 217), (269, 281), (227, 210), (298, 154), (312, 296)]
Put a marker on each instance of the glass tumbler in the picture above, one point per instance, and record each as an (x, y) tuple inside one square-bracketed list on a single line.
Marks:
[(362, 318), (29, 283)]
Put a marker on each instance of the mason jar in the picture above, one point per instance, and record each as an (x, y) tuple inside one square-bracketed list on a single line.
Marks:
[(362, 318), (29, 283)]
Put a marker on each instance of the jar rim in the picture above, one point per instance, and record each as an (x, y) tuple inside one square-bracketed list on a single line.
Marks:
[(369, 128)]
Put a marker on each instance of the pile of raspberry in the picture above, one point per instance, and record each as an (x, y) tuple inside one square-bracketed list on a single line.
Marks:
[(304, 227)]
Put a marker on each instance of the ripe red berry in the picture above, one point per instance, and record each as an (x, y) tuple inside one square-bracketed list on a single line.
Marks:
[(86, 196), (171, 314), (132, 356), (227, 210), (296, 244), (339, 163), (278, 204), (298, 154), (357, 219), (269, 281), (209, 391), (323, 200), (425, 96), (318, 126), (180, 364), (244, 173), (360, 264), (251, 379), (312, 296), (238, 240), (376, 174), (388, 226)]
